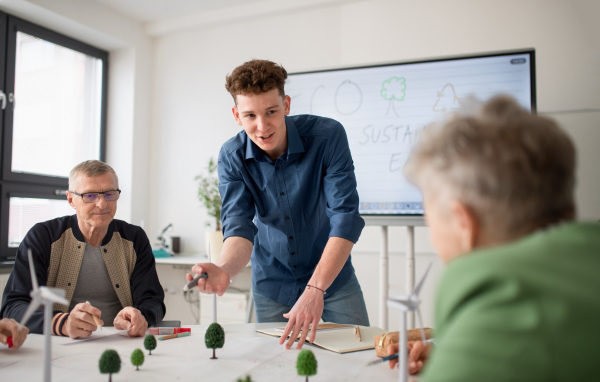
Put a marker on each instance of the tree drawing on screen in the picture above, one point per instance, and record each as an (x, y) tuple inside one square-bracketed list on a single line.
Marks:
[(447, 97), (393, 90)]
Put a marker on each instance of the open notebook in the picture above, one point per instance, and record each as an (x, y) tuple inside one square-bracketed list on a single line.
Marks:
[(337, 337)]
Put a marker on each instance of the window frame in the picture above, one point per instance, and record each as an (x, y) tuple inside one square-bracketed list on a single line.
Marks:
[(33, 185)]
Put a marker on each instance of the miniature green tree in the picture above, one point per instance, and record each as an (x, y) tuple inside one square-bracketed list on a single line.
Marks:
[(137, 358), (150, 343), (214, 338), (306, 364), (247, 379), (110, 362)]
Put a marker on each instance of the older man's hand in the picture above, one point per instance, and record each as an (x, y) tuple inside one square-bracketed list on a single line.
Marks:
[(131, 319), (80, 323)]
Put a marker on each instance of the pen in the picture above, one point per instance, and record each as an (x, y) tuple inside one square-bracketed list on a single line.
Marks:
[(192, 283), (96, 319), (357, 331), (184, 334), (383, 359)]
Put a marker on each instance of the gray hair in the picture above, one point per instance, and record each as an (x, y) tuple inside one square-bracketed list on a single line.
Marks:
[(514, 170), (89, 168)]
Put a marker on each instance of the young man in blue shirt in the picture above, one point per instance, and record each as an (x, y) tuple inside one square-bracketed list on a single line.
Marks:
[(290, 204)]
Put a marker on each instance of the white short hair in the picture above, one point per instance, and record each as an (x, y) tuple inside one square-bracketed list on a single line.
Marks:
[(89, 168), (515, 170)]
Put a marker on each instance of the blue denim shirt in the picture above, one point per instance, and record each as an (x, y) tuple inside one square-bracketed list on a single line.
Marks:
[(291, 206)]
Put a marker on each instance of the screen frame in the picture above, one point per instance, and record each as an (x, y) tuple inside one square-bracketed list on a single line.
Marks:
[(418, 219)]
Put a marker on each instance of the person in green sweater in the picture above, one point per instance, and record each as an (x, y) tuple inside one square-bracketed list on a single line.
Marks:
[(519, 298)]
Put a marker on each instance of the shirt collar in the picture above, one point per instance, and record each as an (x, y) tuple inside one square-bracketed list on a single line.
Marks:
[(294, 143)]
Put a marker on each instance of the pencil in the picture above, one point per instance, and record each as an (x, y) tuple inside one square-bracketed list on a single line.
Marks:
[(176, 335), (357, 331), (96, 319)]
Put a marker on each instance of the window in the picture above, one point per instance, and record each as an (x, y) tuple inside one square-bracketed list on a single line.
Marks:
[(53, 116)]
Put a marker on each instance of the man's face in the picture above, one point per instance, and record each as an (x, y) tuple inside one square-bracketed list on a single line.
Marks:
[(96, 215), (262, 116), (444, 230)]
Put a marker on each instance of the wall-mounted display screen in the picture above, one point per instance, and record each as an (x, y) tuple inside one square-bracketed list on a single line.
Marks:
[(383, 109)]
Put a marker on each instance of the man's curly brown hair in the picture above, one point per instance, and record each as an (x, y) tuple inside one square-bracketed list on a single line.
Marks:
[(256, 77)]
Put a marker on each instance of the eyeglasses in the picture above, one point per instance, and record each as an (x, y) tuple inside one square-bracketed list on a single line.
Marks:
[(92, 197)]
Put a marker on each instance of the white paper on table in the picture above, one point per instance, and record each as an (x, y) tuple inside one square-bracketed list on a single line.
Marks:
[(99, 333)]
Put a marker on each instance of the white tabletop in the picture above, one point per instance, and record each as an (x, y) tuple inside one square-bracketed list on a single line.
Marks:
[(245, 352), (182, 259)]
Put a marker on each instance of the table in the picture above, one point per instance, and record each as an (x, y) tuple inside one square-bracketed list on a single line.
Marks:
[(245, 352)]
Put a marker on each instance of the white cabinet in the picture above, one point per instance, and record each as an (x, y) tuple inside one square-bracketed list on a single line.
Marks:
[(195, 308)]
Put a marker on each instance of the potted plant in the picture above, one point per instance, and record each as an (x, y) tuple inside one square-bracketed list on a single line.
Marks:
[(208, 194)]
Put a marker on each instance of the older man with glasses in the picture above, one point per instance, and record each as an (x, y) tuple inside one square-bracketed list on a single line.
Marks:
[(105, 265)]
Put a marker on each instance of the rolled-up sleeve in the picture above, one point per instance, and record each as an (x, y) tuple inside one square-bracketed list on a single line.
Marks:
[(237, 210), (340, 189)]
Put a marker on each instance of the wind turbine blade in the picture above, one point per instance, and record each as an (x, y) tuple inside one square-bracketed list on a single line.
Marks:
[(421, 324), (54, 295), (32, 270), (33, 305), (418, 288), (398, 303)]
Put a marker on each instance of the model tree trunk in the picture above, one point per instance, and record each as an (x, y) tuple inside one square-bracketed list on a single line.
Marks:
[(214, 354)]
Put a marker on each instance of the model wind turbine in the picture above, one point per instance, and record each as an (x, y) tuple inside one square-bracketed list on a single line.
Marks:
[(405, 304), (214, 297), (46, 296)]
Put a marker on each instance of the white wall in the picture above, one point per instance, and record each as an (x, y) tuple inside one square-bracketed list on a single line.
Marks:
[(192, 114)]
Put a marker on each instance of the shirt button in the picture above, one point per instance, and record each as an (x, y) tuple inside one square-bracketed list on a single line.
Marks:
[(293, 253), (105, 250), (117, 285), (298, 279), (295, 266), (282, 193), (287, 218), (291, 238), (276, 167)]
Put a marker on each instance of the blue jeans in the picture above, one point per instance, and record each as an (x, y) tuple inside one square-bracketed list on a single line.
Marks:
[(345, 306)]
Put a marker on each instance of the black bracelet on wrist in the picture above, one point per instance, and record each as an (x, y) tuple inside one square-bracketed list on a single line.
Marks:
[(311, 286)]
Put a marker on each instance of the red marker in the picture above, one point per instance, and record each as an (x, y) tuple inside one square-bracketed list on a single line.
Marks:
[(165, 330), (9, 341)]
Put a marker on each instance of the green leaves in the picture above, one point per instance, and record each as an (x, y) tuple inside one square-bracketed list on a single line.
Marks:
[(150, 343), (110, 362), (306, 364), (215, 336), (208, 192), (137, 358)]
